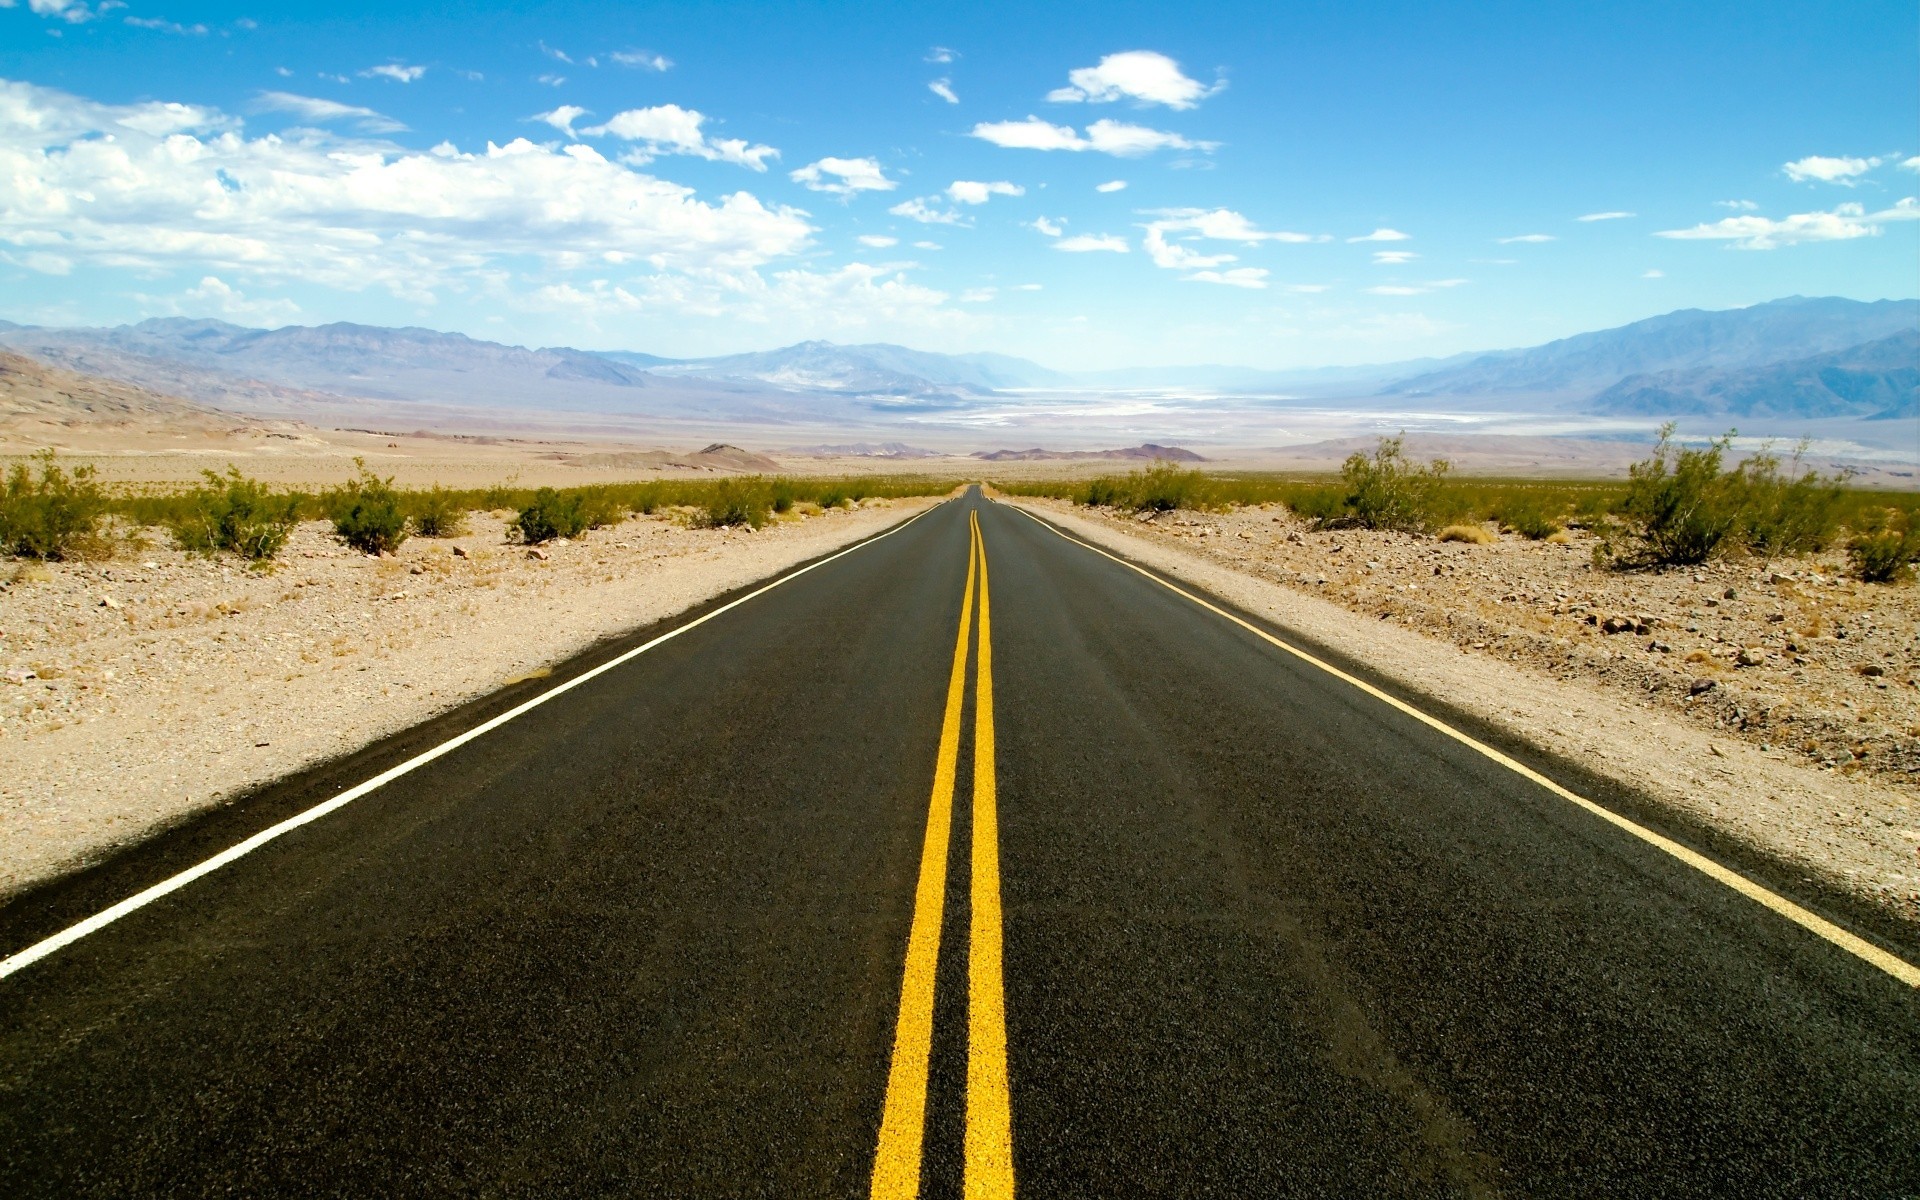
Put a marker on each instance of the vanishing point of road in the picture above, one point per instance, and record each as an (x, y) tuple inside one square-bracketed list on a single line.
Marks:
[(969, 860)]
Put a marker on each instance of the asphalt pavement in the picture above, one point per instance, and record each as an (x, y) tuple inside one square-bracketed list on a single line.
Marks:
[(816, 899)]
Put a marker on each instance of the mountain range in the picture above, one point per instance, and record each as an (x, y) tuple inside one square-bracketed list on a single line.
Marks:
[(1797, 358)]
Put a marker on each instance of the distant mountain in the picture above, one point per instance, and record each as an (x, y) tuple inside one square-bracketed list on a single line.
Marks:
[(1691, 339), (877, 369), (1145, 451), (1876, 379), (869, 450)]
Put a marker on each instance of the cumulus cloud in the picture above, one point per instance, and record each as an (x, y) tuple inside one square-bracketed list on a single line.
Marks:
[(1383, 235), (1051, 227), (670, 129), (1105, 137), (164, 26), (1111, 185), (1393, 257), (1225, 225), (1142, 75), (319, 111), (1910, 164), (398, 72), (71, 11), (1737, 205), (968, 191), (1819, 168), (1088, 242), (918, 209), (1607, 216), (879, 241), (1177, 257), (940, 54), (1209, 224), (943, 88), (645, 60), (1526, 239), (562, 118), (1844, 223), (843, 176), (155, 187), (215, 295)]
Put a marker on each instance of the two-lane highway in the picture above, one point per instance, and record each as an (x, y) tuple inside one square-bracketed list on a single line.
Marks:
[(969, 860)]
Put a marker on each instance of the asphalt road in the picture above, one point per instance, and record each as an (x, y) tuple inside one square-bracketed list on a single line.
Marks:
[(702, 926)]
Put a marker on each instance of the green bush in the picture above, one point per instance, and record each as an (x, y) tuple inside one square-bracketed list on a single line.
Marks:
[(1680, 506), (367, 513), (55, 516), (232, 512), (1528, 515), (600, 506), (1886, 546), (1388, 490), (550, 515), (437, 513), (734, 502), (1791, 513)]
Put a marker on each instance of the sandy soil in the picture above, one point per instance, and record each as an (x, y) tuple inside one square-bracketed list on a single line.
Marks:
[(136, 691), (1803, 755)]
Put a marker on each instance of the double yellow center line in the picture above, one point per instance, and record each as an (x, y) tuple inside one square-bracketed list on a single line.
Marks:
[(989, 1134)]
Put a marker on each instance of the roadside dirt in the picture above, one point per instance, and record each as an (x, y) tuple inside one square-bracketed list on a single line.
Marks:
[(1811, 753), (136, 691)]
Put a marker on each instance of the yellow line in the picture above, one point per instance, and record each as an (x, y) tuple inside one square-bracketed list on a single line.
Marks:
[(1899, 968), (896, 1164), (989, 1145)]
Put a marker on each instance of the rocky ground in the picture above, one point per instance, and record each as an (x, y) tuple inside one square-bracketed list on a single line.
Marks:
[(1816, 673), (140, 689)]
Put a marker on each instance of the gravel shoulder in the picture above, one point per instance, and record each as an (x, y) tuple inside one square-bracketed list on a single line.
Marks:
[(138, 691), (1801, 756)]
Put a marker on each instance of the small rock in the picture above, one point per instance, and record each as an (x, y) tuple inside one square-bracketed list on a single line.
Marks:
[(538, 554), (1873, 670), (1715, 750), (109, 602), (460, 552), (1701, 686), (1659, 647), (416, 569), (1617, 625), (1751, 656), (1727, 595)]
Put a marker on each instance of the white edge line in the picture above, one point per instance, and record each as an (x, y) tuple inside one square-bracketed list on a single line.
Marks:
[(1893, 965), (139, 900)]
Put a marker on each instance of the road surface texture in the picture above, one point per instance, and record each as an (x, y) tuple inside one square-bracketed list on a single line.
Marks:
[(817, 899)]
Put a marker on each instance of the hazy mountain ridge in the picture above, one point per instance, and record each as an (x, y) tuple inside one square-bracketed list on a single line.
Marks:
[(875, 368), (1877, 380)]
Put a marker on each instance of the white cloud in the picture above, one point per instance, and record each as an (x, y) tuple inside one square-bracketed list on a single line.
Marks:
[(1527, 239), (71, 11), (1106, 137), (940, 54), (1111, 185), (943, 88), (1240, 277), (557, 55), (1393, 258), (1087, 242), (1050, 226), (969, 191), (552, 80), (156, 187), (283, 72), (1141, 75), (1822, 169), (1028, 287), (313, 108), (1607, 216), (1383, 235), (214, 295), (927, 246), (398, 72), (854, 300), (1653, 273), (1737, 205), (562, 118), (644, 60), (163, 26), (917, 209), (978, 295), (1176, 257), (1844, 223), (843, 176), (1910, 164), (670, 129), (879, 241), (1225, 225)]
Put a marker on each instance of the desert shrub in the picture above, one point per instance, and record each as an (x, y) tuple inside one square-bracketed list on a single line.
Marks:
[(1886, 545), (601, 506), (1164, 487), (367, 513), (1474, 535), (734, 502), (438, 513), (551, 514), (831, 496), (232, 512), (1388, 490), (55, 516), (1680, 506), (782, 496), (1528, 514), (1787, 513), (1321, 505)]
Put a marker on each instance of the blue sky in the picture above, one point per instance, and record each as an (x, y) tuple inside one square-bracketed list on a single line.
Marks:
[(1303, 184)]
